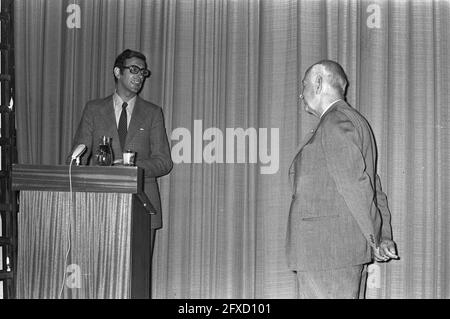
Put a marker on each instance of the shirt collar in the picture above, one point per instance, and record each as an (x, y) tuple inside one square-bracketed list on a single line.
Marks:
[(328, 107), (118, 102)]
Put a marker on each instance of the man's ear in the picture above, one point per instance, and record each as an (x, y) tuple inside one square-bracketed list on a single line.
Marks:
[(318, 84), (117, 72)]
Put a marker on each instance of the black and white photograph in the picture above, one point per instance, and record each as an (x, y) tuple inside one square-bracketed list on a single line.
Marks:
[(232, 151)]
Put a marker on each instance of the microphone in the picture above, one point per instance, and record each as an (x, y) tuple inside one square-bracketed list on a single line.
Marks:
[(77, 153)]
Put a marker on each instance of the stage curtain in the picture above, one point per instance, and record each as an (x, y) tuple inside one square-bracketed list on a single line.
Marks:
[(239, 64)]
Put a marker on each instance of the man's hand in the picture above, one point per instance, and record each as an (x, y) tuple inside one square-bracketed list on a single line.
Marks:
[(118, 162), (386, 251)]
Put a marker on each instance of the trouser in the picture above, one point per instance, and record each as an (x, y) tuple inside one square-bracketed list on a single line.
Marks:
[(362, 287), (152, 241), (152, 245), (343, 283)]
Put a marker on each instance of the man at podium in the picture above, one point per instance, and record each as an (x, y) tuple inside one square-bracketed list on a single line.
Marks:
[(132, 124)]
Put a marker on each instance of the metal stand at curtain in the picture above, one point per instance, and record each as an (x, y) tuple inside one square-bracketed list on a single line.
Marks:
[(89, 243)]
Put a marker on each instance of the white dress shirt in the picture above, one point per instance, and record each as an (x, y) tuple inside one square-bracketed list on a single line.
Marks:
[(117, 100)]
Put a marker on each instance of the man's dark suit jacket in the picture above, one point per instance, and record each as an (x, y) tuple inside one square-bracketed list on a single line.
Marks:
[(338, 210), (146, 136)]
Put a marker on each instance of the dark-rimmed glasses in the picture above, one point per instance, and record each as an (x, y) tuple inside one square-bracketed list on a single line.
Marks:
[(134, 69)]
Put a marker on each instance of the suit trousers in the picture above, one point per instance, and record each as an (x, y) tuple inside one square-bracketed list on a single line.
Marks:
[(342, 283), (152, 241), (152, 245)]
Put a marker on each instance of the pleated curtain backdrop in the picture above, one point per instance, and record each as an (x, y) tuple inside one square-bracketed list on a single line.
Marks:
[(238, 64)]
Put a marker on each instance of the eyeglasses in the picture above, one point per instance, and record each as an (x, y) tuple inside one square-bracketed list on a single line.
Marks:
[(134, 69)]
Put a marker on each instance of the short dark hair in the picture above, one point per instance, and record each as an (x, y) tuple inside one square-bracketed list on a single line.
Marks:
[(125, 55), (338, 79)]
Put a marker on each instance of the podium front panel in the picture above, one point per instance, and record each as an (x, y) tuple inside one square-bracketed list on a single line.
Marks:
[(74, 245)]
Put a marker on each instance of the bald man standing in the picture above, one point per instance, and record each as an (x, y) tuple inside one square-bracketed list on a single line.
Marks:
[(339, 219)]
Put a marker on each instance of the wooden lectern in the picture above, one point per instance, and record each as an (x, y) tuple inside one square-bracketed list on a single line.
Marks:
[(83, 232)]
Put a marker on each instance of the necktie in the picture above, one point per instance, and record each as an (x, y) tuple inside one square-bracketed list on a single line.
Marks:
[(122, 129)]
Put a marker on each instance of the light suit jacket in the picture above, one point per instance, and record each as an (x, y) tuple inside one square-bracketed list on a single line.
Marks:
[(338, 210), (146, 136)]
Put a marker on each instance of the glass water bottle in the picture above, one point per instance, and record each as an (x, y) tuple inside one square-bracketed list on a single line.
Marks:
[(104, 155)]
